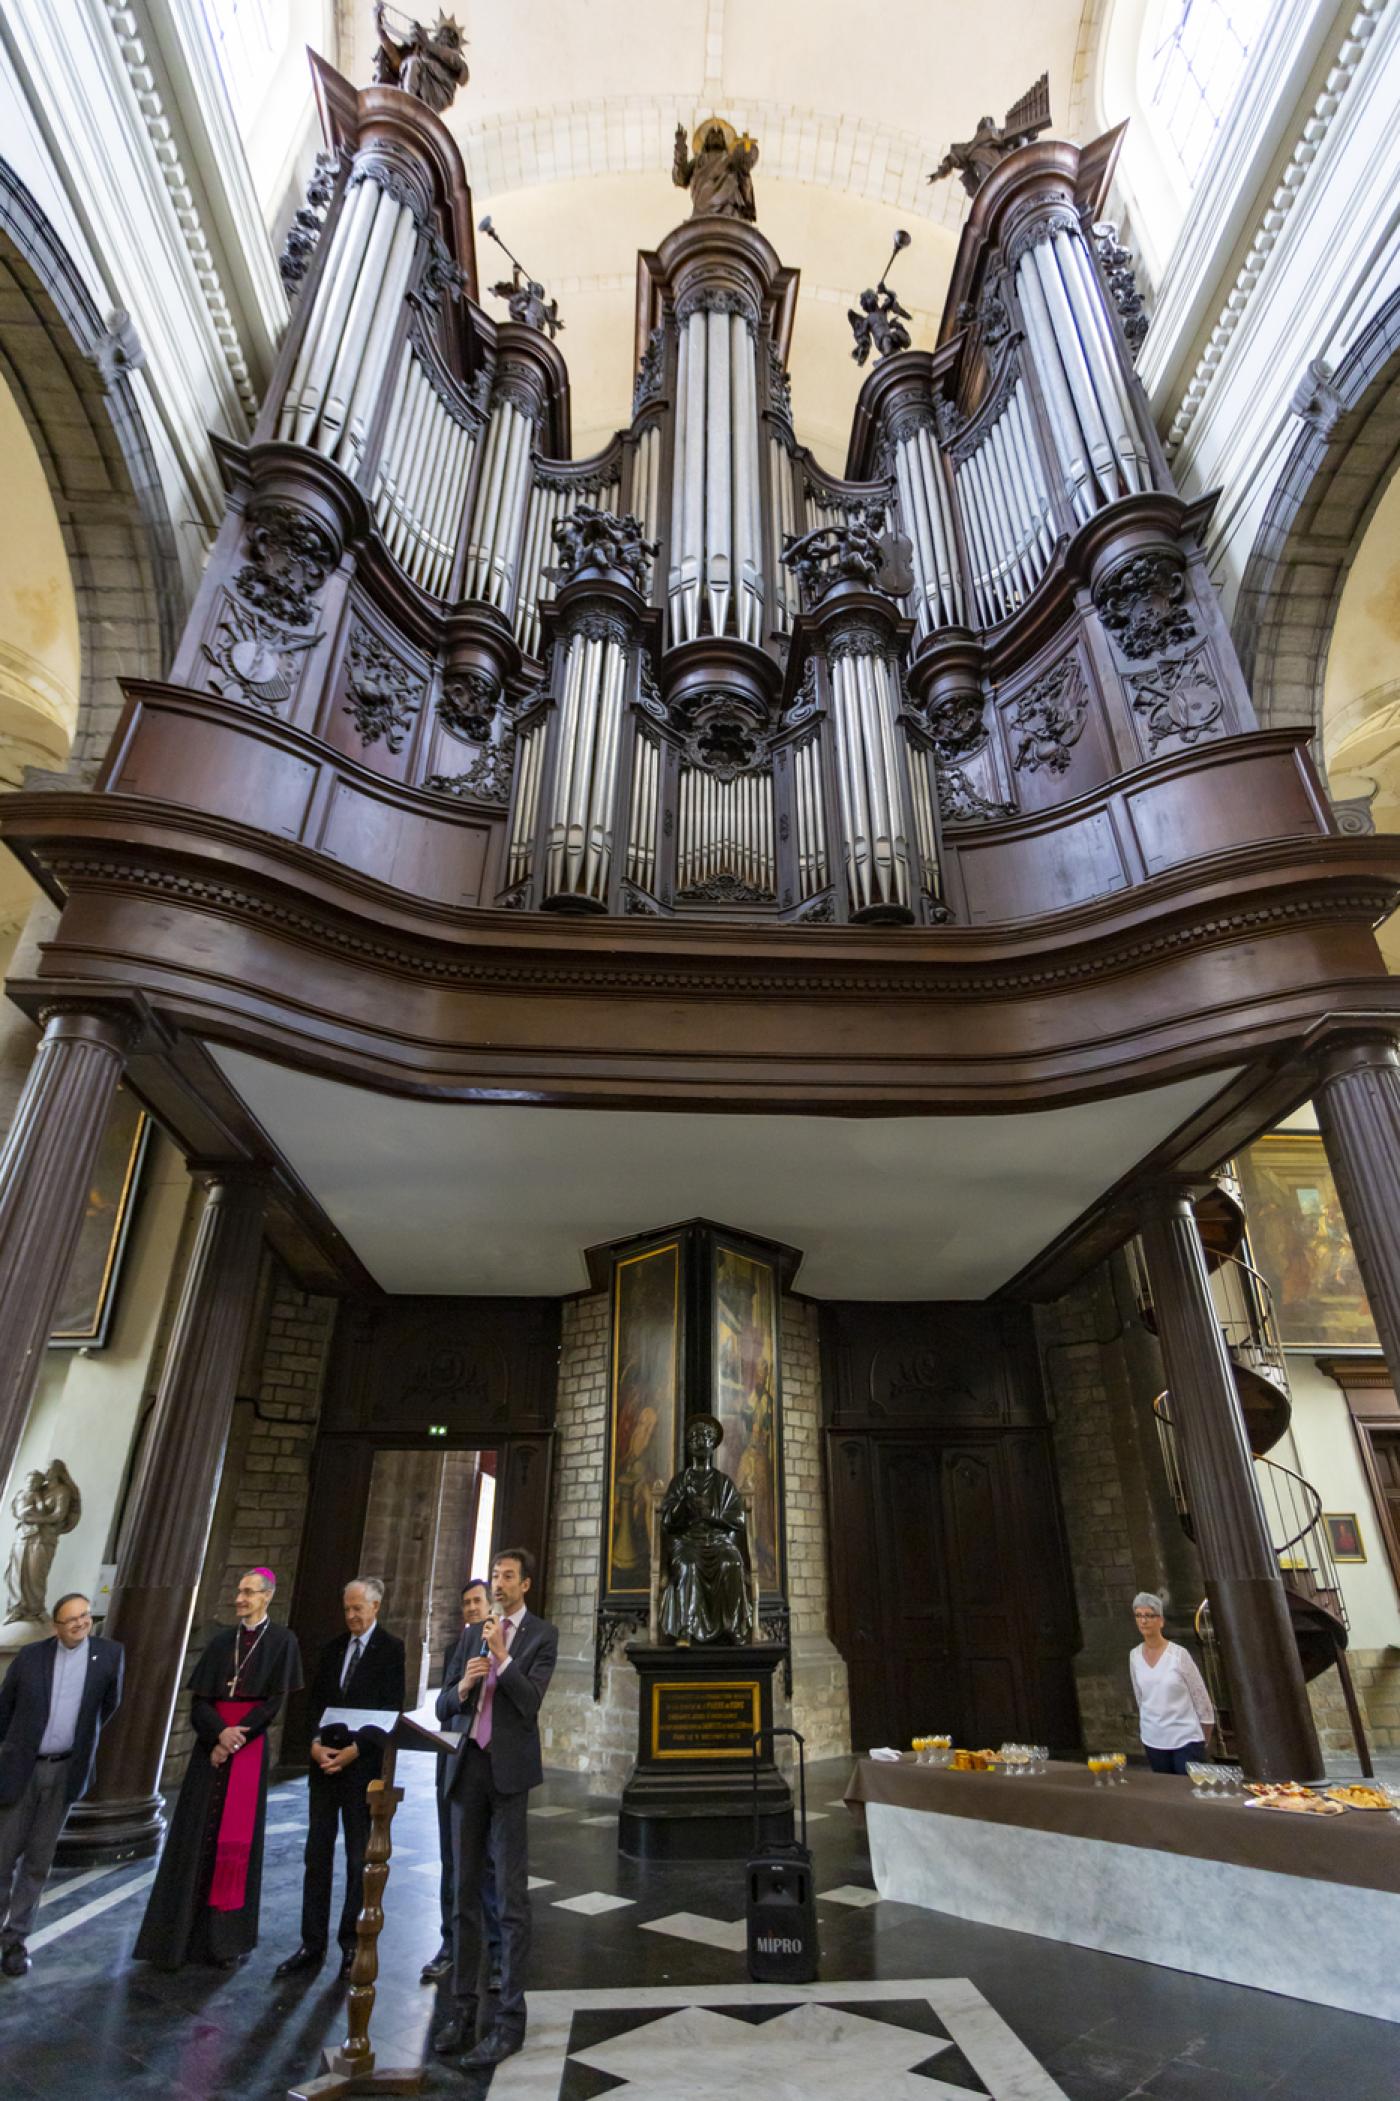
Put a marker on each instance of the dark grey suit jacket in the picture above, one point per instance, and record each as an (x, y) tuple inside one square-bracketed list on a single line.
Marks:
[(516, 1763), (24, 1713)]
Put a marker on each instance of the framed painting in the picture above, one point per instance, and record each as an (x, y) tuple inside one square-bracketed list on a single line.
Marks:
[(746, 1397), (644, 1411), (87, 1302), (1344, 1535), (1299, 1240)]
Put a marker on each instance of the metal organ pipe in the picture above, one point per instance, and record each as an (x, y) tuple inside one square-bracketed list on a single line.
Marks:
[(868, 774), (726, 829), (646, 478), (1064, 422), (498, 516), (920, 764), (641, 832), (374, 309), (369, 376), (528, 766), (1074, 360), (718, 550), (1086, 300), (302, 401), (579, 839), (748, 527), (717, 553), (784, 523)]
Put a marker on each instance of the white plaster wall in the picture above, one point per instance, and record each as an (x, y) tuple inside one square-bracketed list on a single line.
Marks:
[(1321, 1446), (87, 1402), (1321, 255), (155, 205)]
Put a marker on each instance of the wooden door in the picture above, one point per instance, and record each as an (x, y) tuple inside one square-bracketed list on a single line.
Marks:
[(950, 1589), (982, 1577)]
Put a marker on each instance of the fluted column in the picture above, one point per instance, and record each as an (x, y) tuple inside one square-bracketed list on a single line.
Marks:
[(1358, 1109), (1249, 1607), (161, 1551), (45, 1172)]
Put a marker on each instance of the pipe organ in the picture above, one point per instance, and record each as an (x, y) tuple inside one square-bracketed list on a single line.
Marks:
[(765, 689)]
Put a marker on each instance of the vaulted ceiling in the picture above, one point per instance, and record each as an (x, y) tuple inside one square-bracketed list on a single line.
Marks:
[(567, 127)]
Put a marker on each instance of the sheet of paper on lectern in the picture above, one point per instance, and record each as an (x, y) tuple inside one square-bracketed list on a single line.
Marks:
[(362, 1717)]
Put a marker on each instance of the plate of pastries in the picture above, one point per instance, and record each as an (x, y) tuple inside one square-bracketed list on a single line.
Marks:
[(1289, 1796), (1358, 1794), (974, 1761)]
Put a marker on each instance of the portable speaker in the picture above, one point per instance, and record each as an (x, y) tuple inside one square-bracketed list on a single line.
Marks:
[(782, 1897)]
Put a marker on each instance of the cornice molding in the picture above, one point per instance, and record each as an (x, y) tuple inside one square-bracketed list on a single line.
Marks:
[(1307, 145), (1201, 926), (166, 153)]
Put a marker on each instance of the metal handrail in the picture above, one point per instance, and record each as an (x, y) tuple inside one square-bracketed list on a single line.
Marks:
[(1297, 1499), (1260, 1336)]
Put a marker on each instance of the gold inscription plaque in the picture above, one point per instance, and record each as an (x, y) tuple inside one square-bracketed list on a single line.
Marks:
[(716, 1719)]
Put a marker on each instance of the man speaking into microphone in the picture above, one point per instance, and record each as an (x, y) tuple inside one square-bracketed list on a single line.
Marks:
[(491, 1701)]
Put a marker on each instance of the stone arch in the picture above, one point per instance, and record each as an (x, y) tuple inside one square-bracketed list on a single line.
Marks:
[(1336, 473), (69, 371)]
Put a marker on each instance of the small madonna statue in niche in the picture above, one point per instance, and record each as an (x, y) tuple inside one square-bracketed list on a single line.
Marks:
[(704, 1546)]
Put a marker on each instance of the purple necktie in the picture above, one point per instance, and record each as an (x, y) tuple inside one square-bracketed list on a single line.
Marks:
[(481, 1727)]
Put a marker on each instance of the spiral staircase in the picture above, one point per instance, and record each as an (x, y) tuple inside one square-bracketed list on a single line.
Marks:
[(1291, 1505)]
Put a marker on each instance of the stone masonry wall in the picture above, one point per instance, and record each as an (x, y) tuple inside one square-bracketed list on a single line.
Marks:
[(1375, 1673), (1102, 1371), (267, 1475), (820, 1708), (576, 1734)]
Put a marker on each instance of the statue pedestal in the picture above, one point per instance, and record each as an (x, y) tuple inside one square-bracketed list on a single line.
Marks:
[(690, 1793)]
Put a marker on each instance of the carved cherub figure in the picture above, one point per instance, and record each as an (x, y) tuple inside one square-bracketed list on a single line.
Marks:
[(524, 297), (879, 326), (975, 158), (719, 173), (426, 63)]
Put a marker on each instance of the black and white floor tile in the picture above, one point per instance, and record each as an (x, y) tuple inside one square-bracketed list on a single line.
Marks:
[(641, 1991)]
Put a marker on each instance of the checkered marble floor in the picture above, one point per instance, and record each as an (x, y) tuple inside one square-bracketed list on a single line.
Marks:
[(639, 1988)]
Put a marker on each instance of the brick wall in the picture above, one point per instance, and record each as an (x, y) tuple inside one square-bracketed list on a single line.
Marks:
[(820, 1707), (578, 1734), (267, 1471)]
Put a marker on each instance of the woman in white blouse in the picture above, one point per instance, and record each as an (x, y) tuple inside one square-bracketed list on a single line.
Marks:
[(1174, 1711)]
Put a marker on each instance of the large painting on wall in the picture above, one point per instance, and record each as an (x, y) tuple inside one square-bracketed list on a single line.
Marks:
[(745, 1396), (87, 1302), (642, 1441), (1299, 1240)]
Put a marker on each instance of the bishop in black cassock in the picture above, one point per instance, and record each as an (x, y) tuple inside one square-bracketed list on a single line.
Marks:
[(204, 1902)]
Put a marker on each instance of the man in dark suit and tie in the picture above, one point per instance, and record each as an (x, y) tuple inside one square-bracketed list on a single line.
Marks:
[(55, 1698), (363, 1667), (494, 1707), (476, 1605)]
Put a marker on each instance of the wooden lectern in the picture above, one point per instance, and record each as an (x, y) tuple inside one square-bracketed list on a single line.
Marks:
[(351, 2069)]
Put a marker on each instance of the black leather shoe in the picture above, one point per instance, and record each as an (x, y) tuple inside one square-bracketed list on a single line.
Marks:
[(494, 2048), (347, 1963), (438, 1968), (16, 1960), (304, 1959), (458, 2033)]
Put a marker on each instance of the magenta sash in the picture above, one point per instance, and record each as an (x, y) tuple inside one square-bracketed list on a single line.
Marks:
[(233, 1846)]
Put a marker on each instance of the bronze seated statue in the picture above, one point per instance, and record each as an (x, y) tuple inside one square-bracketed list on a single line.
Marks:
[(705, 1547)]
